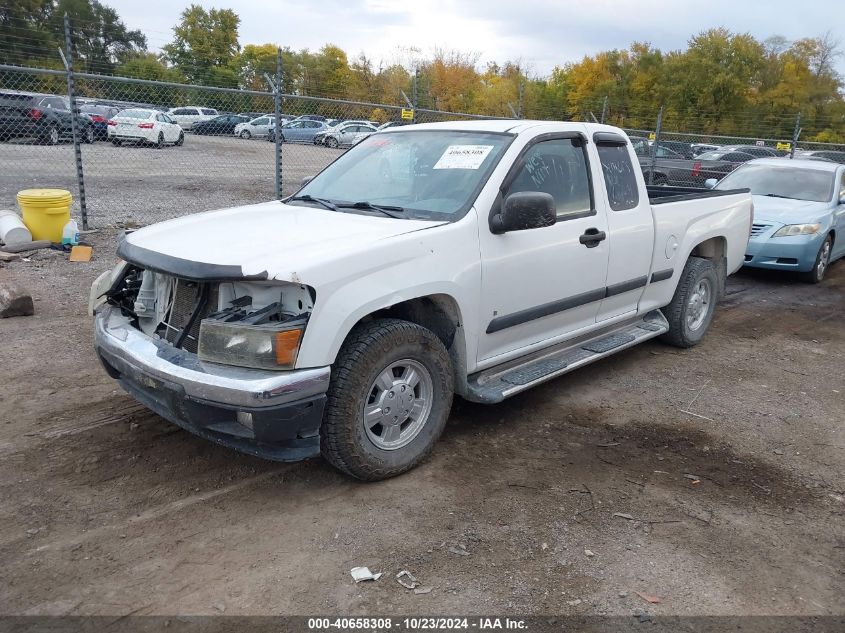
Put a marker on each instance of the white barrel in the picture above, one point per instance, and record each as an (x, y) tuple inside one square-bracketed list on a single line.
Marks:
[(12, 228)]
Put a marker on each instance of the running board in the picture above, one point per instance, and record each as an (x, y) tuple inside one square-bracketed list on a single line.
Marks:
[(500, 382)]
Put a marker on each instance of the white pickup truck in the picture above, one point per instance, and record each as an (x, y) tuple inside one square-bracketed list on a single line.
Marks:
[(474, 258)]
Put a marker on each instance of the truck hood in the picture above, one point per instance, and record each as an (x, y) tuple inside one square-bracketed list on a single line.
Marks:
[(788, 211), (271, 240)]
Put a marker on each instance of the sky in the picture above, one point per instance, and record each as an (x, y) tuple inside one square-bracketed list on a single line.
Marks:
[(540, 34)]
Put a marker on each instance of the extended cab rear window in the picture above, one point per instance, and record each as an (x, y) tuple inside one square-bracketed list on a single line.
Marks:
[(619, 176)]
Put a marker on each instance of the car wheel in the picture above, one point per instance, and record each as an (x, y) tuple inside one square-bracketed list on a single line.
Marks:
[(160, 141), (332, 142), (691, 310), (181, 140), (660, 180), (88, 135), (282, 138), (246, 135), (388, 401), (52, 135), (816, 275)]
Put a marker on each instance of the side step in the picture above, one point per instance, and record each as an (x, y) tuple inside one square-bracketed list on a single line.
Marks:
[(500, 382)]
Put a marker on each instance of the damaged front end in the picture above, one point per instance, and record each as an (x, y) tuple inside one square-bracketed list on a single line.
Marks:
[(215, 357), (241, 323)]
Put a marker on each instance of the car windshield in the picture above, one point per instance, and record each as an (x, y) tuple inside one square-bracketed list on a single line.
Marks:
[(782, 182), (430, 174)]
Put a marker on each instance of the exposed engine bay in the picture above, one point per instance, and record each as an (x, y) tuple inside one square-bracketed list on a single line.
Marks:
[(174, 309)]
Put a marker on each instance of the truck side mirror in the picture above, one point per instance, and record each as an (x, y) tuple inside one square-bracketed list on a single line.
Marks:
[(525, 210), (710, 183)]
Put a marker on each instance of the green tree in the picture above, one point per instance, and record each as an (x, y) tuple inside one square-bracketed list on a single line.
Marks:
[(205, 46)]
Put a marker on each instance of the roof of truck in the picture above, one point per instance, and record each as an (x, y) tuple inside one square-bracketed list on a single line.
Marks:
[(514, 126)]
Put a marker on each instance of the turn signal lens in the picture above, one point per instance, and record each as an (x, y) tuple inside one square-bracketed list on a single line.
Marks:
[(287, 346)]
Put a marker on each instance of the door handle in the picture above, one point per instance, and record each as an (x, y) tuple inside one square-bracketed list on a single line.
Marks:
[(592, 237)]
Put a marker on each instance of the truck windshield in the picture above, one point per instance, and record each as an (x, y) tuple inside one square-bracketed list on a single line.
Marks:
[(782, 182), (430, 174)]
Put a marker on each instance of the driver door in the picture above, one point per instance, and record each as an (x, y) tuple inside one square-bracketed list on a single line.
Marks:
[(539, 284)]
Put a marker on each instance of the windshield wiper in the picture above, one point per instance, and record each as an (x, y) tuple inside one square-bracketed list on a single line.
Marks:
[(777, 195), (331, 206), (388, 210)]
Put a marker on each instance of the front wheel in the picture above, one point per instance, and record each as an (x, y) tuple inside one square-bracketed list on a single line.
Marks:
[(180, 140), (160, 140), (692, 307), (88, 135), (245, 135), (816, 275), (332, 142), (388, 401)]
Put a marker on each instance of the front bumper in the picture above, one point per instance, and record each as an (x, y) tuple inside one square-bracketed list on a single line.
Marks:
[(797, 253), (274, 415)]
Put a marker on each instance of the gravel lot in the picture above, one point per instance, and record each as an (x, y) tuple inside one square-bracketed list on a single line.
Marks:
[(131, 184), (710, 477)]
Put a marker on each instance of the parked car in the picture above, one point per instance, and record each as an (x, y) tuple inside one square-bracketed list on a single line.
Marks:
[(334, 124), (311, 117), (757, 151), (298, 131), (223, 125), (100, 115), (675, 170), (679, 147), (347, 316), (258, 127), (145, 126), (189, 116), (824, 154), (43, 118), (346, 135), (799, 214), (253, 115), (700, 148)]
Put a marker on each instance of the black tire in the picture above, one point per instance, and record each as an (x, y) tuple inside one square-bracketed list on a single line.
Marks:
[(115, 142), (685, 330), (245, 135), (366, 354), (820, 266), (181, 140), (332, 142), (160, 142), (88, 135), (660, 180)]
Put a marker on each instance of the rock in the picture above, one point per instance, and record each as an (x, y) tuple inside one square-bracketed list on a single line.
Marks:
[(589, 553), (574, 603), (15, 300), (220, 607), (623, 594), (778, 451), (133, 426)]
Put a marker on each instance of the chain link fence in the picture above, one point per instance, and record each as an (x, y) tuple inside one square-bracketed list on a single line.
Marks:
[(137, 151)]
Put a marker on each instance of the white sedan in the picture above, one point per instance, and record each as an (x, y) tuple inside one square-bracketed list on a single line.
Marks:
[(139, 125), (258, 127)]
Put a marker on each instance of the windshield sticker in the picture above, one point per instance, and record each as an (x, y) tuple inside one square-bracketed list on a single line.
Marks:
[(463, 157)]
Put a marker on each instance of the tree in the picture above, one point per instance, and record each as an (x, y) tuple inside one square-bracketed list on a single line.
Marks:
[(205, 46)]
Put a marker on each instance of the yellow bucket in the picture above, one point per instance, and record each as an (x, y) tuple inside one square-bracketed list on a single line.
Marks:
[(45, 212)]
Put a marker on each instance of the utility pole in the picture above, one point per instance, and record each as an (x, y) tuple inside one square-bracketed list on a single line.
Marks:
[(795, 134), (74, 123), (604, 109), (655, 145)]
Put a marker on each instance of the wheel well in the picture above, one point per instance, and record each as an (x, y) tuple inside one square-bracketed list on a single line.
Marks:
[(440, 314), (716, 250)]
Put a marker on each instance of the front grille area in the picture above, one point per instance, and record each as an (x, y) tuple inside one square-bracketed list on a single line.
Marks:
[(186, 299), (757, 229)]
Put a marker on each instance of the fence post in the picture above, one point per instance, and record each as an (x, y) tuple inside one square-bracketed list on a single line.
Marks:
[(277, 100), (604, 109), (416, 94), (74, 124), (521, 101), (795, 134), (655, 145)]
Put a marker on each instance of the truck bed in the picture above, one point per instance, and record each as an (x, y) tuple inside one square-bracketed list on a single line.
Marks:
[(662, 194)]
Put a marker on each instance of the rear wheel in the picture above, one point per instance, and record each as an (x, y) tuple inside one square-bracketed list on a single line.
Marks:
[(88, 135), (160, 141), (332, 142), (246, 135), (388, 401), (52, 135), (660, 180), (691, 310), (822, 262)]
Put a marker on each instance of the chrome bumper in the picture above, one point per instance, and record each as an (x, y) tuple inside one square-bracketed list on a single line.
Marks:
[(145, 360)]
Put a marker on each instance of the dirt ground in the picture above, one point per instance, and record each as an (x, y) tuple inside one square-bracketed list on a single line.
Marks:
[(711, 478)]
